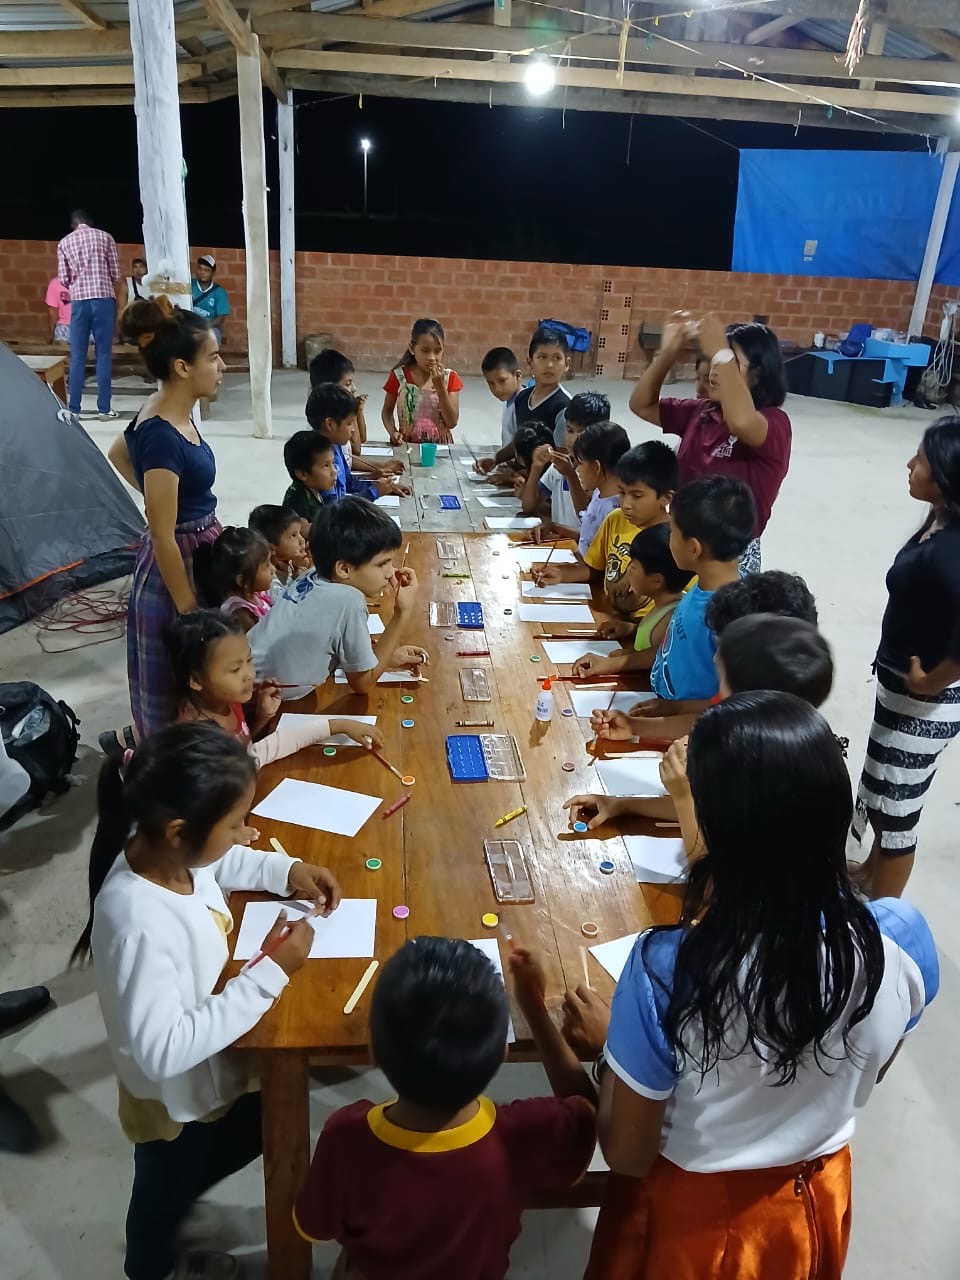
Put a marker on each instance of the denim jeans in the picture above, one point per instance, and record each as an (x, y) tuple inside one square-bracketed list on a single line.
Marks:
[(96, 317)]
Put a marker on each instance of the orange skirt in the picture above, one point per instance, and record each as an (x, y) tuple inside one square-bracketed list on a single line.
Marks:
[(791, 1223)]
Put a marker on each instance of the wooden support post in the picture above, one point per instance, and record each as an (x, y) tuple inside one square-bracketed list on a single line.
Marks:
[(253, 166), (875, 42), (159, 147), (502, 17), (938, 223), (288, 238)]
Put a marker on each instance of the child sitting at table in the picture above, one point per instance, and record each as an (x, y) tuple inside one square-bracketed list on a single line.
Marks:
[(320, 622), (433, 1185), (214, 680), (553, 473), (332, 366), (235, 574), (333, 412), (646, 480), (170, 847), (311, 466), (530, 438), (282, 528), (421, 391), (596, 452)]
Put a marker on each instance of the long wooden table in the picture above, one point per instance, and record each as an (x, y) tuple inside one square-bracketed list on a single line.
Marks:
[(432, 850)]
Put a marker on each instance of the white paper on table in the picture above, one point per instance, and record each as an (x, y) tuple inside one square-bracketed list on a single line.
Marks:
[(338, 739), (470, 474), (631, 777), (586, 701), (553, 612), (527, 557), (512, 522), (375, 624), (491, 950), (657, 860), (346, 933), (563, 652), (310, 804), (388, 677), (443, 448), (613, 955), (396, 521), (387, 500), (377, 451), (498, 502), (557, 591)]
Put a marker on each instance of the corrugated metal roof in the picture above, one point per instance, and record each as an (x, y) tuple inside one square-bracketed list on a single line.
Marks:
[(834, 35), (50, 15)]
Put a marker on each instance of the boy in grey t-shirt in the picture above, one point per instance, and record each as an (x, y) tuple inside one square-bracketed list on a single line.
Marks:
[(319, 622)]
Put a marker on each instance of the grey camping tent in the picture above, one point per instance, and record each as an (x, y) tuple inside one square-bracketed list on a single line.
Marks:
[(66, 520)]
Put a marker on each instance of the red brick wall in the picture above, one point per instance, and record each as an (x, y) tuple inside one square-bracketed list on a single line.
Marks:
[(369, 302), (939, 294)]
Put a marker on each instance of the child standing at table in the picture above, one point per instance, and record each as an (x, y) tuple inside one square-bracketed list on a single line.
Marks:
[(235, 574), (547, 400), (433, 1185), (332, 366), (282, 529), (423, 394), (504, 378), (170, 845), (215, 681), (553, 471)]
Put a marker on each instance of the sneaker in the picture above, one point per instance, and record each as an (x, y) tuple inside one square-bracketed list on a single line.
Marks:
[(203, 1265), (108, 416), (88, 413)]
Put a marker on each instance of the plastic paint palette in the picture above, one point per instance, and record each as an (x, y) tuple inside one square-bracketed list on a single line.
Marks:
[(475, 684), (478, 757), (509, 874)]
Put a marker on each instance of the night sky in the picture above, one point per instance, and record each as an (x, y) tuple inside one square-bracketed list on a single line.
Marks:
[(450, 179)]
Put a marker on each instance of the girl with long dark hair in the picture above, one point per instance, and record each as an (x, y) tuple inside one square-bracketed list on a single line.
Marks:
[(740, 428), (169, 846), (743, 1040), (918, 669)]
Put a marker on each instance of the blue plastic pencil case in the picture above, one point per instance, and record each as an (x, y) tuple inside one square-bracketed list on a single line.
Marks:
[(465, 758), (470, 614)]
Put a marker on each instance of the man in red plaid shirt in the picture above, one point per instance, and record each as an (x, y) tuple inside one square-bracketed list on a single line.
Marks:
[(88, 265)]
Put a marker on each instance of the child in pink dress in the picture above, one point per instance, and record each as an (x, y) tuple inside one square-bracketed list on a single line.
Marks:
[(235, 573), (421, 397)]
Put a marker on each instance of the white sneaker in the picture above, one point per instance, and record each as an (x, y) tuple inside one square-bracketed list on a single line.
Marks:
[(108, 416), (203, 1265)]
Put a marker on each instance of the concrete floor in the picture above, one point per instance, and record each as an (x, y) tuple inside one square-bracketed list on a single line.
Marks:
[(843, 512)]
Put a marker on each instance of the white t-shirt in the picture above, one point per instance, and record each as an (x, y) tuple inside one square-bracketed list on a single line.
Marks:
[(562, 510), (735, 1117)]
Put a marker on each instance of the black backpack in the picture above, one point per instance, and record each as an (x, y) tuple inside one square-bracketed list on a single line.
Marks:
[(40, 734)]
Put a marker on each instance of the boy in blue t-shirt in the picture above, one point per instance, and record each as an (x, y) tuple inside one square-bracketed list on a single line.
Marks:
[(332, 410)]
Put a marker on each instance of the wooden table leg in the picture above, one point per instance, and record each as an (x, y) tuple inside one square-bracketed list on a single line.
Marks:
[(284, 1086)]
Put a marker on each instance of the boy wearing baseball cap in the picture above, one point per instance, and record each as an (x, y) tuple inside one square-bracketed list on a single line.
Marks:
[(209, 298)]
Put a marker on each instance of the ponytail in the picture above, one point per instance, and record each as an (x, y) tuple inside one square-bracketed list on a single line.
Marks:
[(114, 823), (420, 327), (164, 333)]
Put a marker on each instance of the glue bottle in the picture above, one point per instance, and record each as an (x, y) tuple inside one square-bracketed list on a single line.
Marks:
[(545, 701)]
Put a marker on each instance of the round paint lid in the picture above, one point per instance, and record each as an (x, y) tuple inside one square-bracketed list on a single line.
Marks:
[(535, 657), (406, 697), (329, 751), (408, 779), (401, 912), (589, 928), (373, 864), (489, 920), (608, 867), (580, 826), (407, 724), (567, 711)]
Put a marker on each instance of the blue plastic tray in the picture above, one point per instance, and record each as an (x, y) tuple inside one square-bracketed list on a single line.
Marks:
[(449, 502), (465, 758), (470, 614)]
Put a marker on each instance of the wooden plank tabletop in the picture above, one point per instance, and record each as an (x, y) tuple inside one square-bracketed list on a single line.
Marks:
[(432, 850)]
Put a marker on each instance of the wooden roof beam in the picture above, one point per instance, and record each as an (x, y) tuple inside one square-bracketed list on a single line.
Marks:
[(86, 15), (107, 97), (223, 14), (772, 28), (35, 77)]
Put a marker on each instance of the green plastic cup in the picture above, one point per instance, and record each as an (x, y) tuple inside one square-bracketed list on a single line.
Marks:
[(428, 455)]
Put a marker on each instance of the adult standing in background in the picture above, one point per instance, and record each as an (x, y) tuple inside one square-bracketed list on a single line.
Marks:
[(741, 429), (134, 281), (88, 265), (57, 299), (209, 298)]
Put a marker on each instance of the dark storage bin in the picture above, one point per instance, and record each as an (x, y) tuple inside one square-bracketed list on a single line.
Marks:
[(828, 383), (799, 371), (865, 385)]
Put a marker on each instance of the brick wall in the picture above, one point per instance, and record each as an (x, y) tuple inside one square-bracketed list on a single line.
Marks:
[(368, 302), (939, 294)]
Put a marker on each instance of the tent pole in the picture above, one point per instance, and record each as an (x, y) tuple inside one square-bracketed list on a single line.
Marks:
[(288, 243), (253, 167), (931, 254), (159, 146)]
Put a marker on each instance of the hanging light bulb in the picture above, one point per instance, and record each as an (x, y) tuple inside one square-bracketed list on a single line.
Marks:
[(539, 77)]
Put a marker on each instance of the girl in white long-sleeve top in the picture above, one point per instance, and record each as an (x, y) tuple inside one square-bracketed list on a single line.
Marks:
[(170, 844)]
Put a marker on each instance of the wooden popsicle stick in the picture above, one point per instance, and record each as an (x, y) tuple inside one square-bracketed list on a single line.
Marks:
[(361, 986), (586, 970), (278, 847)]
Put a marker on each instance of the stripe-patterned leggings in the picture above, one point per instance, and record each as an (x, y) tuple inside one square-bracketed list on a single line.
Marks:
[(909, 732)]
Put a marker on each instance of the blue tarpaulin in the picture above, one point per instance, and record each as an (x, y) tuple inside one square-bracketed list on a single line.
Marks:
[(862, 214)]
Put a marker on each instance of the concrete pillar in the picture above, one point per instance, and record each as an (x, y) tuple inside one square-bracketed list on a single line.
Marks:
[(253, 165)]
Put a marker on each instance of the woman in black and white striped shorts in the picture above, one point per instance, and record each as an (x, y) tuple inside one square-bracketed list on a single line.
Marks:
[(918, 669)]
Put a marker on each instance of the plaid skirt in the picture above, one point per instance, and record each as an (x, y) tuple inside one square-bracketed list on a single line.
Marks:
[(149, 616)]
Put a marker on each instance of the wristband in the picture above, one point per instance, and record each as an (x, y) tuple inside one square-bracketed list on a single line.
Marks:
[(723, 356)]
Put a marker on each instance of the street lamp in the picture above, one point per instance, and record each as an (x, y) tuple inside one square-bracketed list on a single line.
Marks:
[(365, 145)]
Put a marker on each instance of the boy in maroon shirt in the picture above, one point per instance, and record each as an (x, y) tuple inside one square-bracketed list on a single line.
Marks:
[(433, 1185)]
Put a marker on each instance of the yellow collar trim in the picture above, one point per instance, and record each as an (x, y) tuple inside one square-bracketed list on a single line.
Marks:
[(464, 1135)]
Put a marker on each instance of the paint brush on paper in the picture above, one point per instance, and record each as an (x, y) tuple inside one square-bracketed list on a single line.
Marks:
[(538, 577), (594, 748), (403, 562), (546, 542)]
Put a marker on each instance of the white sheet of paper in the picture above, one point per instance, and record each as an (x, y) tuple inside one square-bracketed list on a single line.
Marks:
[(564, 652), (387, 500), (338, 739), (310, 804), (631, 777), (613, 955), (586, 701), (377, 451), (657, 860), (396, 521), (491, 949), (512, 522), (553, 613), (349, 932), (388, 677), (375, 624), (557, 591), (527, 557), (468, 473), (511, 503), (442, 448)]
